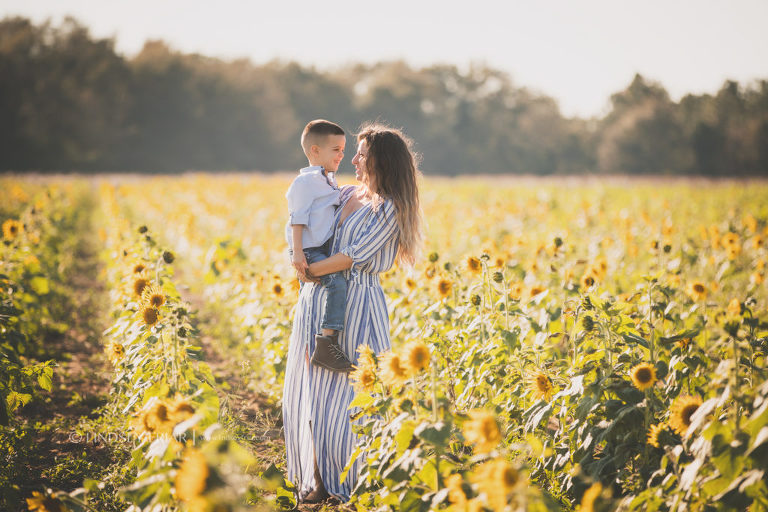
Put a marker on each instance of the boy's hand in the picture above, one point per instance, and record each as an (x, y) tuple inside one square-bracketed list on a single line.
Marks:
[(299, 262)]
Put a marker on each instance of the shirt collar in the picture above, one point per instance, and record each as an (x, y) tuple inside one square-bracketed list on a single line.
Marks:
[(312, 168)]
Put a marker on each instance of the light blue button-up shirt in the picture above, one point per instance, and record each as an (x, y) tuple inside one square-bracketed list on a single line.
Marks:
[(312, 201)]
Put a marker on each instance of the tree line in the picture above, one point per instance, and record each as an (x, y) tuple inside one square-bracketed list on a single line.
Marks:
[(68, 101)]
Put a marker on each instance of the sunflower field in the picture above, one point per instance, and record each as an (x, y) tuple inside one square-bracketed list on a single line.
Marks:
[(577, 345)]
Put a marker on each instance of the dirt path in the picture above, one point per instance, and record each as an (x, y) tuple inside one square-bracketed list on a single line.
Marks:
[(61, 450)]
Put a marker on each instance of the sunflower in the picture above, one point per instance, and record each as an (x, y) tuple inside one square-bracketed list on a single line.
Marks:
[(393, 371), (192, 475), (587, 323), (496, 478), (410, 283), (41, 503), (590, 496), (367, 358), (154, 418), (654, 432), (12, 228), (541, 386), (474, 265), (444, 287), (139, 268), (681, 411), (416, 356), (683, 343), (364, 378), (588, 280), (535, 290), (153, 296), (116, 352), (697, 290), (643, 376), (277, 290), (515, 291), (180, 409), (430, 272), (149, 315), (139, 285), (730, 239), (454, 484), (482, 430)]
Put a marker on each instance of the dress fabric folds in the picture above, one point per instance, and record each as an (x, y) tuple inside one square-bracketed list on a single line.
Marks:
[(316, 400)]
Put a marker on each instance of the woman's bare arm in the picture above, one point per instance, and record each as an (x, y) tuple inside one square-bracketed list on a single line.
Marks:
[(335, 263)]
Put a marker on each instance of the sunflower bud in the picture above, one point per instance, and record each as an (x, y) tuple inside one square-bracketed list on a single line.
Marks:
[(168, 256), (498, 277), (475, 299), (586, 303), (667, 248), (588, 323), (558, 241), (433, 257), (143, 229), (182, 332)]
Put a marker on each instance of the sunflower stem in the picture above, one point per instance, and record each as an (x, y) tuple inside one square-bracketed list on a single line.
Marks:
[(735, 385), (506, 305), (573, 335), (650, 325), (433, 375)]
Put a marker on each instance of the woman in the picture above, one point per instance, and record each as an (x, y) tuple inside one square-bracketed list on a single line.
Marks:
[(377, 222)]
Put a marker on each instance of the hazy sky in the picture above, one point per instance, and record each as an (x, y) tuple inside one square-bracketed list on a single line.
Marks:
[(578, 51)]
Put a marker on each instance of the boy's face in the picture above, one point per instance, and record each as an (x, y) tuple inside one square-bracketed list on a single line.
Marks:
[(329, 151)]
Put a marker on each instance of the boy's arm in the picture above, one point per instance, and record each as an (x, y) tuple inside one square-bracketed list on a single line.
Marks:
[(299, 261), (299, 201)]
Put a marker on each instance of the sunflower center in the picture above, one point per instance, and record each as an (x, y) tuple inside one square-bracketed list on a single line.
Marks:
[(643, 375), (687, 412)]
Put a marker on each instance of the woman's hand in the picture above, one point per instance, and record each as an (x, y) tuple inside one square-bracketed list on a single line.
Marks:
[(306, 276)]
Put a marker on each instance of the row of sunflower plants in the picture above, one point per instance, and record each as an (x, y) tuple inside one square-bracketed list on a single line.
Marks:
[(39, 233), (233, 258), (182, 457)]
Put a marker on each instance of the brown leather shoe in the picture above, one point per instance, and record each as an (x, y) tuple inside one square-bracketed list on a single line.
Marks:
[(328, 354)]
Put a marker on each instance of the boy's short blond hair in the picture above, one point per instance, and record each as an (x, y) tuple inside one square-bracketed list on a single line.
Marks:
[(316, 129)]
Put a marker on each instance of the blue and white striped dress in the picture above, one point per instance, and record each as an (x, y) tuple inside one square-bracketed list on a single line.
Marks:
[(315, 400)]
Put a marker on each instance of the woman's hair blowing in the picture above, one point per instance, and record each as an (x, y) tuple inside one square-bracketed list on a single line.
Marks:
[(392, 164)]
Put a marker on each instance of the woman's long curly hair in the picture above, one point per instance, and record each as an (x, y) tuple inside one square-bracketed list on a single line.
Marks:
[(392, 166)]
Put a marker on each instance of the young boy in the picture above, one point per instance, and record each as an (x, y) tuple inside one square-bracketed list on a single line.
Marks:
[(312, 200)]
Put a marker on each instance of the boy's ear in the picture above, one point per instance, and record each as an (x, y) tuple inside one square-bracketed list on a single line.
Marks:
[(314, 149)]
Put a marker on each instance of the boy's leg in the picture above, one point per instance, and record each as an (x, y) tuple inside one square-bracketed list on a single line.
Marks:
[(328, 352), (335, 302)]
